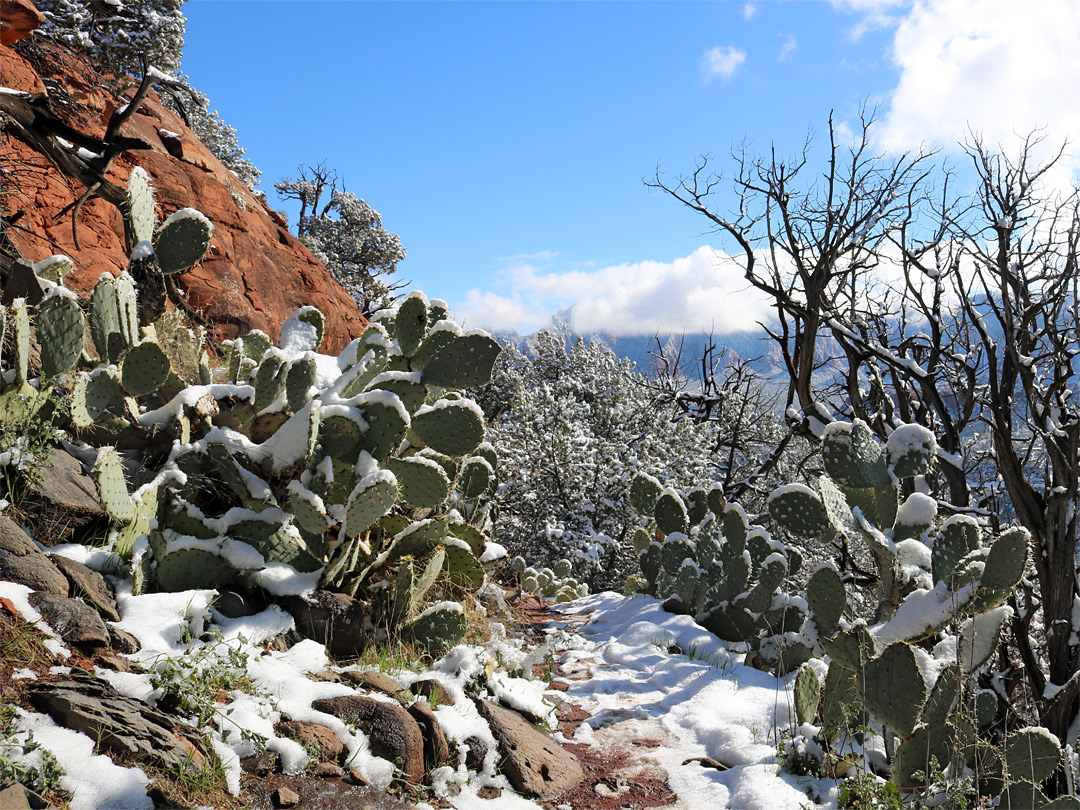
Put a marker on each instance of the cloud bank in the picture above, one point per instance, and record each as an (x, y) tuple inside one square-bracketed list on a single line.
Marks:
[(996, 68), (703, 291)]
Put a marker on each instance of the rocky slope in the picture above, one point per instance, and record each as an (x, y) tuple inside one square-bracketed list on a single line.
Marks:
[(256, 274)]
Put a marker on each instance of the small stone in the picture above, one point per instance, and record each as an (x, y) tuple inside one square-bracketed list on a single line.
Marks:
[(123, 642), (357, 778), (708, 762), (114, 662), (434, 691), (477, 753), (286, 797), (329, 770), (436, 749)]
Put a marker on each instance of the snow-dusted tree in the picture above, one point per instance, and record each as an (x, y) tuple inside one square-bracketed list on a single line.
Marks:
[(347, 235), (572, 426), (899, 301), (120, 34)]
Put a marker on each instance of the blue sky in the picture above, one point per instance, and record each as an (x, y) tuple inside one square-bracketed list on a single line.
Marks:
[(507, 142)]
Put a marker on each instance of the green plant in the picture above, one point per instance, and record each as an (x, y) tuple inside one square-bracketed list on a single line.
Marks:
[(42, 778), (196, 682), (868, 792)]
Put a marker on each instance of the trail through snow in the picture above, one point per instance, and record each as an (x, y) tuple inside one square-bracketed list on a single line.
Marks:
[(701, 703)]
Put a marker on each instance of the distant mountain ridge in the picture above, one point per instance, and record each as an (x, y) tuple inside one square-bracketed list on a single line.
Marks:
[(754, 347)]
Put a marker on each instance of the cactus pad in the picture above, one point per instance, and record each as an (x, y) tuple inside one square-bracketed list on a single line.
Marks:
[(1031, 755), (451, 427), (670, 513), (144, 369), (465, 362), (644, 490), (893, 688), (826, 598), (476, 477), (109, 478), (438, 628), (185, 569), (140, 200), (411, 323), (372, 498), (423, 482), (182, 241), (60, 331), (798, 509), (807, 694)]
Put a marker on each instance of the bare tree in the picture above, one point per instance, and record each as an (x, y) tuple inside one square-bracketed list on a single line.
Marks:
[(898, 301)]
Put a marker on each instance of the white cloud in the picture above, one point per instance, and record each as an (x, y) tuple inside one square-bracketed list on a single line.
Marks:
[(722, 61), (703, 291), (787, 47), (993, 67), (749, 11)]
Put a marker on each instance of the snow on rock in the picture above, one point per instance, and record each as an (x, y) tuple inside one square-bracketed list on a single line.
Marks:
[(94, 780)]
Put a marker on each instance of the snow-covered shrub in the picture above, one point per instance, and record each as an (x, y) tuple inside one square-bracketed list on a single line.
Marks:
[(120, 36), (571, 427)]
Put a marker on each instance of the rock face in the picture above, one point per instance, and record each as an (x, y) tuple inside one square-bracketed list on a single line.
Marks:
[(19, 18), (256, 273)]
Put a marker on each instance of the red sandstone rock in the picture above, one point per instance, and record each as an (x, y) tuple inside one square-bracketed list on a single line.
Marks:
[(19, 18), (256, 273)]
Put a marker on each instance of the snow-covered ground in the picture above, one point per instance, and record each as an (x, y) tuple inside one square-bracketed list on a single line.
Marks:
[(612, 652)]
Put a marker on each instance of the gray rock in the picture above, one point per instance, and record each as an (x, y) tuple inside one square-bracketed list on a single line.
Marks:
[(476, 754), (67, 498), (533, 763), (90, 585), (286, 797), (374, 681), (75, 621), (393, 733), (335, 619), (121, 724), (436, 749), (21, 561), (123, 642)]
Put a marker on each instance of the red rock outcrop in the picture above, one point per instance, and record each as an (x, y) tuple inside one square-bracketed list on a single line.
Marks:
[(256, 273), (19, 18)]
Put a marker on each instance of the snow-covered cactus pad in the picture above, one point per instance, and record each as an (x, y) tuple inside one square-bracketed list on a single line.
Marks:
[(182, 240), (644, 490), (140, 202)]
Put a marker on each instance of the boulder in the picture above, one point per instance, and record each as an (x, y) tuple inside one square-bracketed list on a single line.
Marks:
[(334, 619), (23, 562), (256, 274), (433, 690), (75, 621), (393, 733), (18, 19), (534, 764), (90, 585)]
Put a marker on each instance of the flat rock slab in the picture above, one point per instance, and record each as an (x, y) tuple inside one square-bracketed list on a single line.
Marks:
[(534, 763), (90, 585), (433, 690), (75, 621), (89, 704), (23, 562), (67, 494), (393, 733)]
